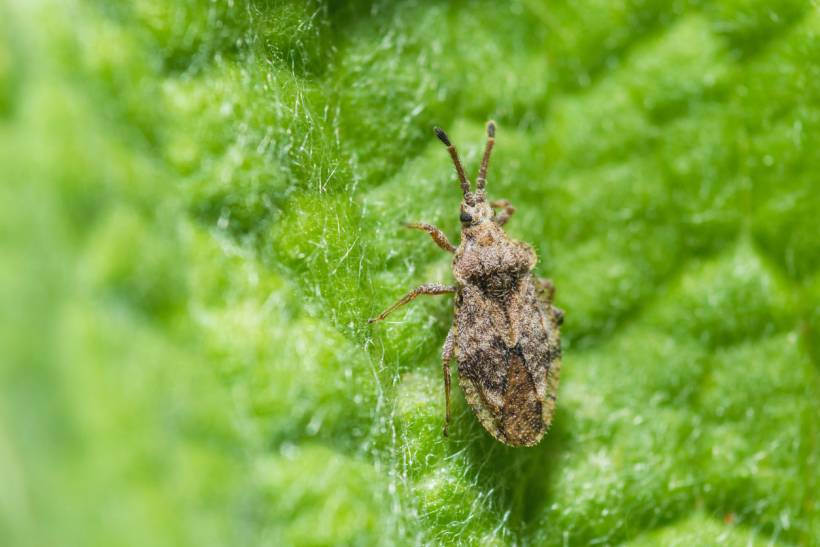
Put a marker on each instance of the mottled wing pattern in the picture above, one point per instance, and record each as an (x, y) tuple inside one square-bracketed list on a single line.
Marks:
[(508, 360), (545, 358), (476, 352)]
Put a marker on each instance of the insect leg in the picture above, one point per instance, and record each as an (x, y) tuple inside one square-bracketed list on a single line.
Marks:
[(546, 289), (429, 288), (446, 356), (504, 215), (437, 235)]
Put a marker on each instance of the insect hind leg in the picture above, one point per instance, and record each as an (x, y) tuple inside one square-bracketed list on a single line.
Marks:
[(446, 356)]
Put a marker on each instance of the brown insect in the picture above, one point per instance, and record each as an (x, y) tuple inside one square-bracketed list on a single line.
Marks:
[(505, 333)]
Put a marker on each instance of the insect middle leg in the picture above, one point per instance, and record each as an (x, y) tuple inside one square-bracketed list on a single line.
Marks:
[(429, 288), (504, 215), (446, 357), (546, 290), (437, 235)]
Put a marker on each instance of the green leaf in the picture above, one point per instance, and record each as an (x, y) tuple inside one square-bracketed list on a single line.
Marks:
[(201, 205)]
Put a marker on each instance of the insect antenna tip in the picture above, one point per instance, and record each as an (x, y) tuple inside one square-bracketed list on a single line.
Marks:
[(442, 136), (491, 129)]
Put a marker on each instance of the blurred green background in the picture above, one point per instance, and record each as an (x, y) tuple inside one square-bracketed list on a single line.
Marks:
[(200, 204)]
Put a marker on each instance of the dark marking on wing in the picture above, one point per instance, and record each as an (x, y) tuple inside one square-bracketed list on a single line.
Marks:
[(521, 416)]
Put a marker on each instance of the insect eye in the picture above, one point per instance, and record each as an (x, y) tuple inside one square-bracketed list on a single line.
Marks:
[(466, 217)]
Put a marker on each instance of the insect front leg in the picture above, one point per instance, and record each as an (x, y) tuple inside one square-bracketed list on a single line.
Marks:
[(504, 215), (437, 235), (429, 288), (446, 357)]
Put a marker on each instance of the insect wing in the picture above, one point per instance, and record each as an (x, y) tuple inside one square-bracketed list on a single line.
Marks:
[(506, 363)]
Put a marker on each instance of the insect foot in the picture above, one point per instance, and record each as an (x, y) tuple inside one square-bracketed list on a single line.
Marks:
[(505, 330)]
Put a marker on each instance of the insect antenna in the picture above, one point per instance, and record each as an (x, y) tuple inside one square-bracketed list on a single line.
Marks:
[(481, 181), (462, 178)]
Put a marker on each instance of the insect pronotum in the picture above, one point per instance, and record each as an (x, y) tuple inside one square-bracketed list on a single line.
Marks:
[(505, 330)]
